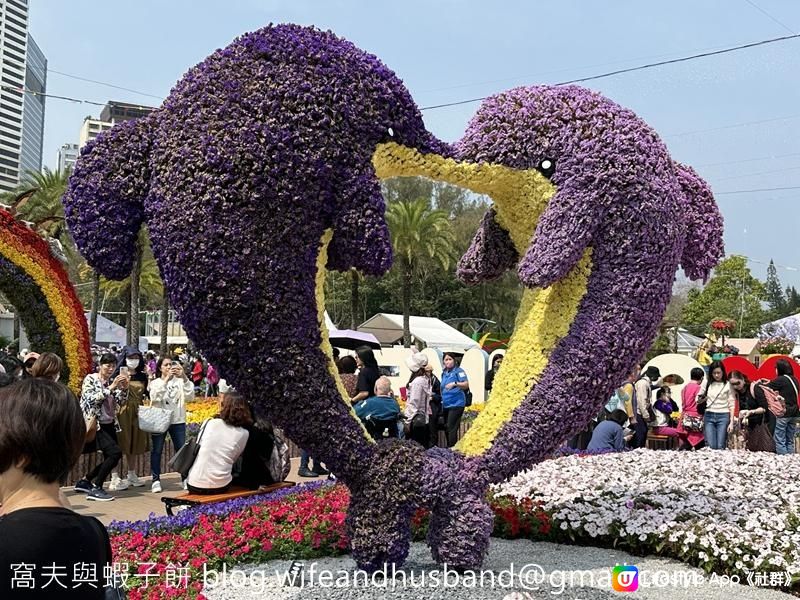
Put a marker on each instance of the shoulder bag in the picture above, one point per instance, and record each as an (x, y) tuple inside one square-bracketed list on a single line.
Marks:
[(184, 458), (154, 419)]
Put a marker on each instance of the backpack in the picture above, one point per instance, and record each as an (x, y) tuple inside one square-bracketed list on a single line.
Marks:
[(279, 463), (774, 400)]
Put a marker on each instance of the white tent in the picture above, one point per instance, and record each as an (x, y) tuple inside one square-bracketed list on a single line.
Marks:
[(388, 328), (687, 343)]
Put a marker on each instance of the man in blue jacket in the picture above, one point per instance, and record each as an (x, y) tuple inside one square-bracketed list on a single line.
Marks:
[(381, 411)]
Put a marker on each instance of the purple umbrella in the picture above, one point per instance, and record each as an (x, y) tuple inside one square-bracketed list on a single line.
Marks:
[(350, 340)]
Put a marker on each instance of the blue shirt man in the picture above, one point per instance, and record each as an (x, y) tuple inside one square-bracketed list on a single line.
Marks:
[(608, 434), (380, 407)]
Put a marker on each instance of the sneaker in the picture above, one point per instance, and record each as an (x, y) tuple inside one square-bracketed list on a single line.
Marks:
[(331, 477), (84, 485), (134, 480), (156, 487), (99, 495), (117, 484), (306, 473), (319, 471)]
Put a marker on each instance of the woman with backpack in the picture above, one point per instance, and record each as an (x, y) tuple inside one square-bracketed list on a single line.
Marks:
[(753, 413), (786, 425)]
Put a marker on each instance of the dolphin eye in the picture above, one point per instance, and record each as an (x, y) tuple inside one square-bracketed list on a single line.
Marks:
[(390, 131), (546, 167)]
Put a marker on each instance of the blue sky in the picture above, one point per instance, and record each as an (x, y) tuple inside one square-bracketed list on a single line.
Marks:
[(735, 117)]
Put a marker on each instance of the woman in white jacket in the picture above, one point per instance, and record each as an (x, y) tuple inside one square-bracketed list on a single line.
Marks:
[(171, 390)]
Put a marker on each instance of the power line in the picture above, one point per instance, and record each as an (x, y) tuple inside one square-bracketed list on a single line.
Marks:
[(111, 85), (732, 126), (640, 67), (746, 160), (756, 174), (762, 11), (775, 189), (23, 90)]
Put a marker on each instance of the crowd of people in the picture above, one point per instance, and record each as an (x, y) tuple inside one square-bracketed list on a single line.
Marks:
[(716, 408), (431, 404)]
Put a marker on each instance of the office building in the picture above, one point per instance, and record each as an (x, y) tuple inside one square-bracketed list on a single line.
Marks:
[(67, 155), (22, 66), (113, 112)]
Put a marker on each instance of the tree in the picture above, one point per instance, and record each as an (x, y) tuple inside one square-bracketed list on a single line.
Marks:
[(774, 293), (419, 234), (792, 300), (732, 293), (164, 323)]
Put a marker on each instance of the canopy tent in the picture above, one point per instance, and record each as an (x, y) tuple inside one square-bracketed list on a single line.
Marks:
[(687, 343), (388, 329)]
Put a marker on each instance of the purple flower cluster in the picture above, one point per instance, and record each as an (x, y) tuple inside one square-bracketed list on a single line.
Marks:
[(263, 147), (267, 144), (619, 193), (188, 517)]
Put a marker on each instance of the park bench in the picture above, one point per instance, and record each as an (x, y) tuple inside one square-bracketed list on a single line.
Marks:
[(659, 442), (190, 499)]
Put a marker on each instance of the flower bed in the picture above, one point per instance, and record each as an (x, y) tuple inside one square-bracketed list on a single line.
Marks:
[(728, 512), (304, 522), (198, 411)]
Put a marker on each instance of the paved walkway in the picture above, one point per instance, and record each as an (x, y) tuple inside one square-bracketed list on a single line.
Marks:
[(135, 504)]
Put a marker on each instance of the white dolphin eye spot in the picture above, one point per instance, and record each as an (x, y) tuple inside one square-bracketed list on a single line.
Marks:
[(391, 132)]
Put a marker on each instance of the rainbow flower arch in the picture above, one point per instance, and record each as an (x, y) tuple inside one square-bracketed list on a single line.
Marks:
[(36, 284)]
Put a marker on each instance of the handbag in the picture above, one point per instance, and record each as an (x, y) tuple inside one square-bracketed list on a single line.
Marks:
[(759, 439), (279, 461), (692, 423), (153, 419), (91, 430), (184, 458)]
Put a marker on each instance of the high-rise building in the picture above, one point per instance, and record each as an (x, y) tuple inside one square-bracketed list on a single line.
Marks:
[(113, 112), (22, 67), (33, 109), (67, 155)]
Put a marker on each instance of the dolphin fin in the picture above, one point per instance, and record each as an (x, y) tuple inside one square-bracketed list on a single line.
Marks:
[(704, 244), (360, 234), (104, 201), (563, 233), (490, 254)]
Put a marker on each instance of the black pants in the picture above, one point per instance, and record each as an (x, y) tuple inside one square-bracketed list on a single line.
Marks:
[(207, 492), (106, 439), (421, 434), (433, 424), (640, 433), (452, 419)]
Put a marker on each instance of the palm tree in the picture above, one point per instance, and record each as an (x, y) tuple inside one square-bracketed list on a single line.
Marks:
[(419, 234)]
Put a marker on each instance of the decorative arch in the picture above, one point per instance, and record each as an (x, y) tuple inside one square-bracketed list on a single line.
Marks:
[(37, 285)]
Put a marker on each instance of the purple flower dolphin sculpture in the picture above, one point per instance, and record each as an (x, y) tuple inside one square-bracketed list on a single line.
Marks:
[(262, 168)]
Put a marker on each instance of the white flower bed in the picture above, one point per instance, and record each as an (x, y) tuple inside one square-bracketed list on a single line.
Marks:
[(726, 511)]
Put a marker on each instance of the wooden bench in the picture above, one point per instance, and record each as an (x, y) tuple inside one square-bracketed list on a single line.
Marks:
[(659, 442), (190, 499)]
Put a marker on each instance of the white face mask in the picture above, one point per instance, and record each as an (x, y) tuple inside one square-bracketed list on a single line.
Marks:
[(132, 362)]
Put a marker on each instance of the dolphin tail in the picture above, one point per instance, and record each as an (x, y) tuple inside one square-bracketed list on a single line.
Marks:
[(104, 201), (704, 246)]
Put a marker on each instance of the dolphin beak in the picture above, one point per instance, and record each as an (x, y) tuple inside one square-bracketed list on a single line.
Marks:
[(519, 195)]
